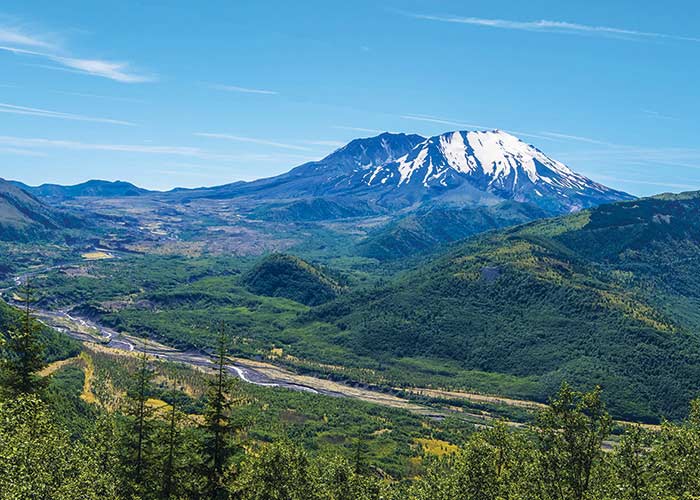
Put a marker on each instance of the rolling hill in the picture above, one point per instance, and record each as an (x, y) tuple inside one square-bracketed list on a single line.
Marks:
[(607, 296), (280, 275)]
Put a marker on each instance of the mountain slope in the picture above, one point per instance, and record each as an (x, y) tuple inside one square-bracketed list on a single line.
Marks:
[(326, 178), (608, 296), (424, 230), (22, 216)]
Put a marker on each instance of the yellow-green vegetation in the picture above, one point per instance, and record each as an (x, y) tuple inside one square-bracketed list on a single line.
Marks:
[(89, 373), (436, 447), (52, 368), (97, 255)]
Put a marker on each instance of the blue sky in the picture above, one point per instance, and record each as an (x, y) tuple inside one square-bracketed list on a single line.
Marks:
[(167, 94)]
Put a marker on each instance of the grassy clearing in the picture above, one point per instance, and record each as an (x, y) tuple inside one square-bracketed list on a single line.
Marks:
[(97, 255)]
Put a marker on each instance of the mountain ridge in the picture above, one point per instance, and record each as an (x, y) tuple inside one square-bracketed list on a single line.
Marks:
[(91, 188)]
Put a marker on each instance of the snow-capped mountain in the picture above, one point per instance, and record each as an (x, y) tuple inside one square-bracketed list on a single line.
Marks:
[(393, 172), (493, 162)]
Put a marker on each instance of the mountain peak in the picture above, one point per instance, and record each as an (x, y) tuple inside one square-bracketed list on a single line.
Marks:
[(492, 161)]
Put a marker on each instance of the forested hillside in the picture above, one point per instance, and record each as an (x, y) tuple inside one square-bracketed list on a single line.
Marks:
[(280, 275), (608, 296)]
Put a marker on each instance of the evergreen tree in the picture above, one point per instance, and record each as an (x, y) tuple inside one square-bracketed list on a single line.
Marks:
[(23, 354), (135, 433), (219, 423)]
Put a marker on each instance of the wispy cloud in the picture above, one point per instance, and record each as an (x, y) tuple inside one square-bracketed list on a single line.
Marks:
[(657, 114), (36, 46), (97, 96), (634, 157), (244, 90), (577, 138), (40, 143), (442, 121), (21, 152), (253, 140), (671, 185), (548, 26), (358, 129), (16, 36), (469, 126), (23, 110), (335, 144)]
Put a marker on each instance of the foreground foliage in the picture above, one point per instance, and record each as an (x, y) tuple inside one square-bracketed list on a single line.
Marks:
[(147, 451)]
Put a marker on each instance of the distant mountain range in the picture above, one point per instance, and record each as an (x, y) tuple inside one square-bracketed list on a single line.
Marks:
[(426, 191)]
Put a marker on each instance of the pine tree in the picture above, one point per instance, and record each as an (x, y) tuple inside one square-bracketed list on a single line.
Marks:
[(136, 432), (23, 354), (141, 397), (218, 419)]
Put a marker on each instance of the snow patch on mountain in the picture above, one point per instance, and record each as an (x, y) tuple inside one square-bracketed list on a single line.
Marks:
[(493, 160)]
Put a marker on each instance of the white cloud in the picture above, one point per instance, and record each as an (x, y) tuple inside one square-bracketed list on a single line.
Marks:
[(548, 26), (468, 126), (31, 45), (244, 90), (23, 110), (252, 140)]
